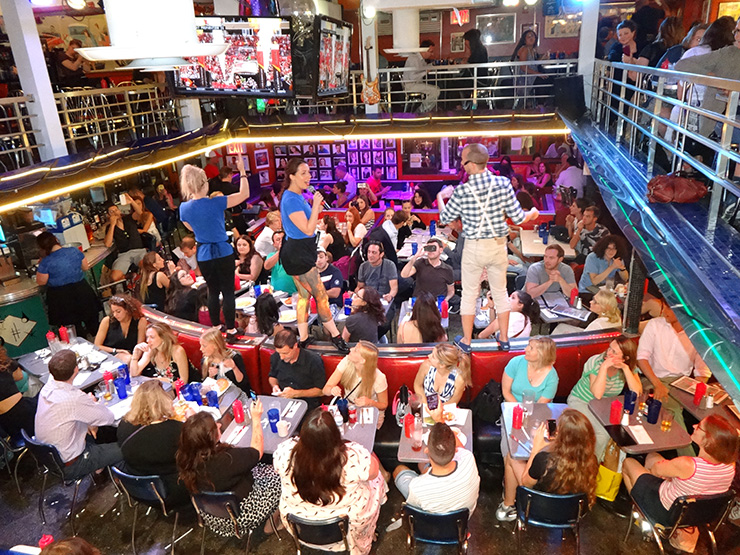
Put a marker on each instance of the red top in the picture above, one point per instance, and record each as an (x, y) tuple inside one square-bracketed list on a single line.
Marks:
[(375, 185)]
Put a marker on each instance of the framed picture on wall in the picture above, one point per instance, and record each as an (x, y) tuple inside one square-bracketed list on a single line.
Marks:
[(365, 158), (264, 177), (280, 150), (390, 143), (309, 150), (324, 162), (295, 150), (261, 159), (338, 148), (365, 172), (325, 175), (364, 144), (259, 145), (729, 8), (355, 172), (353, 158), (281, 163), (391, 172), (352, 144), (314, 175), (558, 28), (378, 158), (377, 144), (457, 42), (280, 175), (497, 28), (324, 149), (311, 162), (338, 160), (530, 26), (390, 157)]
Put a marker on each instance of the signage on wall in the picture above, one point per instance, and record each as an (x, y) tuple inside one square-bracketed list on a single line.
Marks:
[(14, 330), (236, 148), (551, 7), (459, 17)]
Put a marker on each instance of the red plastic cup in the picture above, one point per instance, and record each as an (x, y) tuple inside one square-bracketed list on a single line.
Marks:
[(518, 417), (615, 413), (178, 386), (192, 274), (237, 283), (63, 335), (701, 390)]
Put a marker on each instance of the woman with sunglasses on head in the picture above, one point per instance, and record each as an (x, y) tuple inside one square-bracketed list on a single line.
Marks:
[(161, 356), (367, 314), (298, 253), (120, 332), (221, 362)]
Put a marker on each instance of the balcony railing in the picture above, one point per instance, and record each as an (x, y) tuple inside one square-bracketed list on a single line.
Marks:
[(18, 146)]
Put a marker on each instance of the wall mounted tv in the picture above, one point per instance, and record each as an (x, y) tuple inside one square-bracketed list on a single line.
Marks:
[(258, 62)]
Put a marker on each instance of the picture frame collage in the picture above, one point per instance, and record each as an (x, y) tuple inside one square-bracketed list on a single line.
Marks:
[(358, 155)]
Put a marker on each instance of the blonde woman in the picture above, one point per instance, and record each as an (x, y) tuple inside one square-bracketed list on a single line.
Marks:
[(604, 304), (161, 356), (359, 377), (149, 436), (205, 217), (446, 372), (220, 362)]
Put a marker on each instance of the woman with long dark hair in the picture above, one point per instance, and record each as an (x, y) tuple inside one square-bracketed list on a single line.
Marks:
[(324, 477), (120, 332), (526, 51), (363, 206), (16, 411), (154, 282), (182, 300), (248, 260), (333, 240), (525, 311), (204, 216), (421, 200), (367, 314), (425, 324), (565, 465), (206, 464), (298, 253), (267, 314), (69, 297)]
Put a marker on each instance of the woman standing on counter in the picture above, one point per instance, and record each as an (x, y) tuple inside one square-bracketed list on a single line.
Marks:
[(298, 253), (204, 216), (69, 297), (120, 332)]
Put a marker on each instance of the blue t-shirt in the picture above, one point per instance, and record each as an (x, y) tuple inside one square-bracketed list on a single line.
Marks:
[(206, 217), (593, 265), (292, 202), (64, 266), (517, 371)]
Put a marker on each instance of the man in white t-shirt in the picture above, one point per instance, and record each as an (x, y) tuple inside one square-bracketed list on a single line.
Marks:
[(571, 177), (263, 244), (341, 173), (413, 81), (450, 483)]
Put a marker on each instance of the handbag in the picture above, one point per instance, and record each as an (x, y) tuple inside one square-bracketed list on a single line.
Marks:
[(675, 188), (400, 405), (487, 404), (609, 477)]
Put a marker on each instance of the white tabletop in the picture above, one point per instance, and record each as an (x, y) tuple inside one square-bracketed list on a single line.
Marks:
[(408, 455), (532, 244), (521, 447)]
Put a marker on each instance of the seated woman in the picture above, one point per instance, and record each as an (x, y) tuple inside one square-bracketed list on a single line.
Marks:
[(356, 230), (362, 205), (69, 297), (605, 305), (16, 411), (154, 282), (120, 332), (524, 312), (220, 362), (332, 239), (605, 261), (565, 465), (161, 356), (575, 215), (425, 324), (144, 219), (324, 477), (248, 260), (533, 171), (367, 314), (266, 316), (206, 464), (421, 200), (149, 436), (656, 485), (360, 380), (605, 375), (182, 300), (446, 372)]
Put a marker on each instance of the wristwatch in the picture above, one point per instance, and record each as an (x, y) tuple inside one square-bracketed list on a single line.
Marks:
[(242, 175), (115, 351)]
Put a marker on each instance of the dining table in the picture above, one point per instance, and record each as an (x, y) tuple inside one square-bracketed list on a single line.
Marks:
[(686, 400), (363, 430), (462, 425), (520, 440), (534, 246)]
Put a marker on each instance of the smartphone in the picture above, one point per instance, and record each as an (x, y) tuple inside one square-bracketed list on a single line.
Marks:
[(552, 428), (253, 396), (226, 419), (430, 248), (432, 401), (626, 50)]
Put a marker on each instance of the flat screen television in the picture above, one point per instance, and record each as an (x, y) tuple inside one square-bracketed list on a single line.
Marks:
[(321, 50), (258, 61)]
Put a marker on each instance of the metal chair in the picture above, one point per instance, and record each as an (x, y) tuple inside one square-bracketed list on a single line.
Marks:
[(549, 510), (318, 534), (223, 505), (48, 457), (149, 490), (703, 511), (14, 445), (439, 529)]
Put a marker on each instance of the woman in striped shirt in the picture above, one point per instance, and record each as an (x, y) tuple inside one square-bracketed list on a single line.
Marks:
[(660, 482)]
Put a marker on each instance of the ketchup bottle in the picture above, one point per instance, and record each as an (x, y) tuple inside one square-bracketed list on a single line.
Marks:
[(408, 424), (63, 335), (238, 411)]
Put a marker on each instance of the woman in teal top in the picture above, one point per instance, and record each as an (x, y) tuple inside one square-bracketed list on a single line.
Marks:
[(532, 371), (605, 375)]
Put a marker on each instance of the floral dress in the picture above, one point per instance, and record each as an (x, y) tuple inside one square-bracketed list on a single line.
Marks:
[(361, 501)]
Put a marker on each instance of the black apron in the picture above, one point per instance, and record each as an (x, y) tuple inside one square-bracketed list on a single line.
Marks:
[(298, 256)]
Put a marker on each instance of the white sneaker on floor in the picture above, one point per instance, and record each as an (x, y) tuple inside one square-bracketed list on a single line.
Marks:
[(505, 513)]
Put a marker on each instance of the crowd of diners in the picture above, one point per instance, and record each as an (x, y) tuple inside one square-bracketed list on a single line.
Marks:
[(316, 473)]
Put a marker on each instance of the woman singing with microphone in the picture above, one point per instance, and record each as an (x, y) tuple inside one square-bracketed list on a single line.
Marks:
[(298, 253)]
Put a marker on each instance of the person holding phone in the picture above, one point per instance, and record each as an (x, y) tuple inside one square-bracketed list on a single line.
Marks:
[(565, 465), (432, 275), (443, 377)]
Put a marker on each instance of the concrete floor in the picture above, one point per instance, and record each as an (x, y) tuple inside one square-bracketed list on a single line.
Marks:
[(106, 522)]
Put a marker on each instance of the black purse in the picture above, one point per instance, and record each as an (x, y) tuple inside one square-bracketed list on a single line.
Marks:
[(487, 404)]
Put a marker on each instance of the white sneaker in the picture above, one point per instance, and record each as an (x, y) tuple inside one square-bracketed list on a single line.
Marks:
[(505, 513)]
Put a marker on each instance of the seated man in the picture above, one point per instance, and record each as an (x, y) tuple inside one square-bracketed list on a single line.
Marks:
[(378, 273), (296, 373), (189, 261), (330, 276), (587, 233), (450, 483), (550, 274), (432, 275), (263, 244), (413, 81), (664, 354), (375, 190), (279, 278), (392, 226), (64, 417), (412, 222), (123, 233)]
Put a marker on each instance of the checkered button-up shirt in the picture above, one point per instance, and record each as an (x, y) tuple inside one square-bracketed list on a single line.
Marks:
[(483, 204)]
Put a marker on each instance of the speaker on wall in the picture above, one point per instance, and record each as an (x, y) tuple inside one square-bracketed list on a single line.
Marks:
[(569, 98)]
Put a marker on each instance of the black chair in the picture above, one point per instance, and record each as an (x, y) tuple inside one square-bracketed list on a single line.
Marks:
[(317, 534), (439, 529), (703, 511), (48, 457), (148, 490), (13, 445), (549, 510), (222, 505)]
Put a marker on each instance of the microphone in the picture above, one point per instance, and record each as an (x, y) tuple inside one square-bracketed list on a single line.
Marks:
[(312, 190)]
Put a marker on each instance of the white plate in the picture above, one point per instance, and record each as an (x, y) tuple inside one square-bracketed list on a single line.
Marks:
[(288, 301), (245, 302), (461, 436), (287, 316)]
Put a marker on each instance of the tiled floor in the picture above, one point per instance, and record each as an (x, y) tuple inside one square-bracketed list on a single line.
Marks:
[(102, 523)]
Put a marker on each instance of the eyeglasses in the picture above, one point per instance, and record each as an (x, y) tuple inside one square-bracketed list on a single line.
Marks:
[(465, 163)]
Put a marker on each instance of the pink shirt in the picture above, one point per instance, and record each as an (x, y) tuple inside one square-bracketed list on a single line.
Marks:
[(707, 479)]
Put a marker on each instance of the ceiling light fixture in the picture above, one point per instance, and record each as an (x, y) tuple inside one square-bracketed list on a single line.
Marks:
[(76, 4), (369, 12), (530, 2)]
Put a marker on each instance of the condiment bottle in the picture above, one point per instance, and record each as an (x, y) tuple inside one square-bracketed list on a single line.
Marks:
[(238, 411), (53, 342), (701, 390), (408, 424), (108, 378), (710, 401), (63, 335)]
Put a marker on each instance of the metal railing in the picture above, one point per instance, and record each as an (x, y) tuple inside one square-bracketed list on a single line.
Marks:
[(18, 146), (654, 114), (97, 118)]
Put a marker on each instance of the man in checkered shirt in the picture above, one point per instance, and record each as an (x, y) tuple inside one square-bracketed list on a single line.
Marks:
[(483, 204)]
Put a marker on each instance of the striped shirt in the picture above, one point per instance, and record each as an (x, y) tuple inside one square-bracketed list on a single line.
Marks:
[(708, 479), (614, 384), (442, 494), (483, 204)]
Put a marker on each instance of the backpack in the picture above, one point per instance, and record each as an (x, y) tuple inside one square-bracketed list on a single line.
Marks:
[(487, 404)]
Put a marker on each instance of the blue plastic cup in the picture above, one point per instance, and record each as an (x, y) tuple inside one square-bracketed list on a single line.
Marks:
[(257, 290), (414, 248), (630, 398), (212, 397), (653, 414), (273, 417), (440, 300), (413, 302), (343, 406), (120, 384), (124, 373)]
